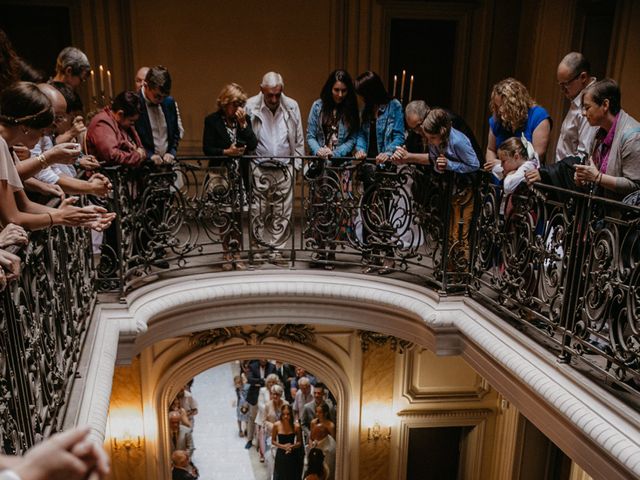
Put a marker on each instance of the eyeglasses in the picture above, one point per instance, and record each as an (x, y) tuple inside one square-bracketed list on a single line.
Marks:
[(238, 103), (569, 82)]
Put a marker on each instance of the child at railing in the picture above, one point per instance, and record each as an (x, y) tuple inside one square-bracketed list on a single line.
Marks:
[(517, 157)]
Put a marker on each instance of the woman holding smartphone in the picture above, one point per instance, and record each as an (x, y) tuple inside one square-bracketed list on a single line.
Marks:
[(227, 136)]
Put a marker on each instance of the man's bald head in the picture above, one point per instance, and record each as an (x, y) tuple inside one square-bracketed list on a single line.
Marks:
[(180, 458), (57, 100), (140, 76)]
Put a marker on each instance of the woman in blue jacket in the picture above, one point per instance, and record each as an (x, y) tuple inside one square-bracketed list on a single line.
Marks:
[(331, 134), (381, 131)]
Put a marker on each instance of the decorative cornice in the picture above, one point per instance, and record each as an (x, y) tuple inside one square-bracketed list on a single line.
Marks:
[(256, 335), (468, 414), (379, 339)]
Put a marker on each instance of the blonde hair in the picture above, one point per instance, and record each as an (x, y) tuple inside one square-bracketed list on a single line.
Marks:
[(516, 102), (231, 93)]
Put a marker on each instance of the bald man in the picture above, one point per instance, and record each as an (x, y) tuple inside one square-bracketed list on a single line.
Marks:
[(63, 175), (181, 466), (576, 135)]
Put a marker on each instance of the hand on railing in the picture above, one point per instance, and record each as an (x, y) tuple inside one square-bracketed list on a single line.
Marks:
[(88, 162), (94, 217), (532, 176), (100, 185), (10, 264), (13, 234)]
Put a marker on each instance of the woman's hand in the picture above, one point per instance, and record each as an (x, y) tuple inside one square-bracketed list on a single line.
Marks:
[(65, 153), (489, 164), (360, 155), (10, 263), (241, 116), (100, 184), (234, 151), (13, 234), (441, 163), (532, 176), (400, 155), (77, 127), (586, 174), (324, 152), (88, 162), (382, 158)]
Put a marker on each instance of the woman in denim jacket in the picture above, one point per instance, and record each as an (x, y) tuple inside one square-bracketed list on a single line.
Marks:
[(331, 133), (333, 120), (385, 112), (381, 131)]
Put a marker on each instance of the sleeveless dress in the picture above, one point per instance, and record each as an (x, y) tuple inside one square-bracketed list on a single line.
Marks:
[(288, 466)]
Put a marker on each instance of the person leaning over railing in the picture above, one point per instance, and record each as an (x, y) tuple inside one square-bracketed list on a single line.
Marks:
[(25, 112), (613, 167), (451, 150), (331, 134), (513, 113), (228, 133), (381, 131)]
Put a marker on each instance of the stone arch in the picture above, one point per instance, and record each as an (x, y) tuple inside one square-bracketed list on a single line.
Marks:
[(341, 384)]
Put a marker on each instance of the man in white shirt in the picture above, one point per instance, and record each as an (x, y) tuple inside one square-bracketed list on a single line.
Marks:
[(277, 123), (576, 135)]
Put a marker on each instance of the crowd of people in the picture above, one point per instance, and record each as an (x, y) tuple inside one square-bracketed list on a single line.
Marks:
[(289, 416), (283, 411), (48, 149)]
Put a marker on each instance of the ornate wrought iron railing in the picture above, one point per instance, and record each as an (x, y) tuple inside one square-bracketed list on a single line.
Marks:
[(561, 264), (44, 317)]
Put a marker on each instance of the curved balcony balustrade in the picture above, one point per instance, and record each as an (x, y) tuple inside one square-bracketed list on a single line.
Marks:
[(563, 266)]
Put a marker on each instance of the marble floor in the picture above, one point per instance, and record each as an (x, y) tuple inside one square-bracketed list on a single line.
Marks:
[(220, 452)]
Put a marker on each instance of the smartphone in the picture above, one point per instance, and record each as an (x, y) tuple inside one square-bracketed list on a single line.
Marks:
[(240, 143)]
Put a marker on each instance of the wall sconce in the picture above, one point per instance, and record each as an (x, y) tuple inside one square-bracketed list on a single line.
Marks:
[(374, 433), (126, 430), (126, 443)]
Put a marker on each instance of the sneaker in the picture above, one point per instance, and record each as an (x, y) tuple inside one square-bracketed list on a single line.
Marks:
[(248, 445)]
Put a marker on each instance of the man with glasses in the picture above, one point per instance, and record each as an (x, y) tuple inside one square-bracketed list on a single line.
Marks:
[(72, 67), (576, 134)]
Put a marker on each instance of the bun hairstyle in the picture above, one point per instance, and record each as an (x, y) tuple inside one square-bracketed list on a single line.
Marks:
[(438, 122), (24, 104)]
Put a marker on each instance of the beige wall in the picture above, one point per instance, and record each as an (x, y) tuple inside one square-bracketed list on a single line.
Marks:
[(210, 44)]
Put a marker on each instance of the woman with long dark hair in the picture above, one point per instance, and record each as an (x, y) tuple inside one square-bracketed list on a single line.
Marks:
[(381, 131), (333, 119), (331, 134), (286, 437)]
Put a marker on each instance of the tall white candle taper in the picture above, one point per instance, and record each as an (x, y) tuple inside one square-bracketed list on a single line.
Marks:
[(410, 88), (395, 84), (101, 80), (404, 76), (110, 85), (93, 84)]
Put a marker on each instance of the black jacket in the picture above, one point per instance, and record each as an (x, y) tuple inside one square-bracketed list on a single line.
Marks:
[(255, 381), (215, 137), (143, 126)]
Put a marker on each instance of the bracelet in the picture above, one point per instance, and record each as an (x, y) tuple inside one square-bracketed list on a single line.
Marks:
[(599, 178), (50, 220), (43, 160)]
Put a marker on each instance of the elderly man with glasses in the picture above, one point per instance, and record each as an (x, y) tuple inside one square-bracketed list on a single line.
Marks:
[(575, 134)]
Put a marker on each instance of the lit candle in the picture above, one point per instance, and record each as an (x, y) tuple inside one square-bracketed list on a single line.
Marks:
[(110, 85), (395, 84), (101, 80), (404, 76), (93, 84), (410, 88)]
